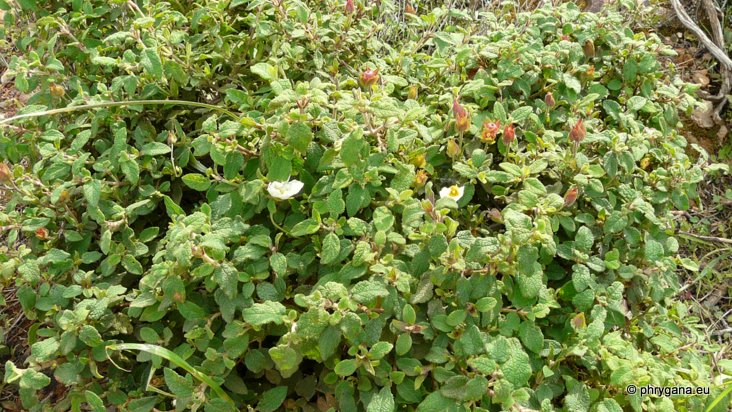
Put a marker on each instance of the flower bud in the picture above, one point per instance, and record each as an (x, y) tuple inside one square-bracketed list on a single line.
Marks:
[(349, 7), (453, 150), (4, 173), (462, 118), (570, 197), (172, 138), (578, 132), (369, 77), (56, 90), (419, 160), (412, 92), (421, 178), (509, 134), (645, 162), (409, 9), (549, 99), (490, 130), (495, 215), (589, 48)]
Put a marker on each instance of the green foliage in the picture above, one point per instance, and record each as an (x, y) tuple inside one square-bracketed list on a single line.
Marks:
[(301, 246)]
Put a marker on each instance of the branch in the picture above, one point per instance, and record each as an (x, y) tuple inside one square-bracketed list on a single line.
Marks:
[(718, 53), (707, 238)]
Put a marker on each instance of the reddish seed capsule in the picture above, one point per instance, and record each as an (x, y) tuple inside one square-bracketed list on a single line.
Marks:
[(509, 134), (462, 118), (457, 109), (578, 132), (570, 197), (349, 6), (549, 99), (490, 130), (369, 77), (42, 233)]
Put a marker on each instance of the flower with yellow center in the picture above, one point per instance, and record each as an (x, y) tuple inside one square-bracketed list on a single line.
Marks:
[(453, 192)]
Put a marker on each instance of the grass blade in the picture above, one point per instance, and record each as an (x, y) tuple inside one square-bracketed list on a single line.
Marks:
[(175, 359), (114, 104)]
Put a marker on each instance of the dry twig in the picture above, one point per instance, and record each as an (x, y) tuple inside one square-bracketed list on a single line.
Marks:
[(715, 47)]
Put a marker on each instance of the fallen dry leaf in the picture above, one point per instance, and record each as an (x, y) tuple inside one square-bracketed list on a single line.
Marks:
[(701, 77)]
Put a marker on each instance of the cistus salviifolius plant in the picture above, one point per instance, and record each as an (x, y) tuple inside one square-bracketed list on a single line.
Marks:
[(270, 205)]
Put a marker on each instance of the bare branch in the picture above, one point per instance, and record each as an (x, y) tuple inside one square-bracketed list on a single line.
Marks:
[(718, 53)]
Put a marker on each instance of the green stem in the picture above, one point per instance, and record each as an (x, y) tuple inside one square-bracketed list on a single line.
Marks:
[(116, 104)]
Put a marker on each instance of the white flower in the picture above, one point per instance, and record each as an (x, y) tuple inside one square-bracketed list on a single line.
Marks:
[(285, 190), (454, 192)]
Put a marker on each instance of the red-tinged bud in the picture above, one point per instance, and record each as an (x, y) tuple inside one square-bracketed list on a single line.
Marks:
[(42, 233), (578, 132), (421, 178), (457, 109), (565, 37), (462, 118), (495, 215), (509, 134), (349, 6), (409, 9), (570, 197), (549, 99), (462, 124), (369, 77), (490, 130)]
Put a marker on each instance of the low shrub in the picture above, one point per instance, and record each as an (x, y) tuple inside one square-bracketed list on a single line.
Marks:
[(475, 216)]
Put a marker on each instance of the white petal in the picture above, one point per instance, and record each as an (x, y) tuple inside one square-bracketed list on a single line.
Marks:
[(461, 191), (284, 190), (293, 187), (445, 192)]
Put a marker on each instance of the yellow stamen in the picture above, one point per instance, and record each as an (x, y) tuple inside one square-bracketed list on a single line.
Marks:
[(454, 191)]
